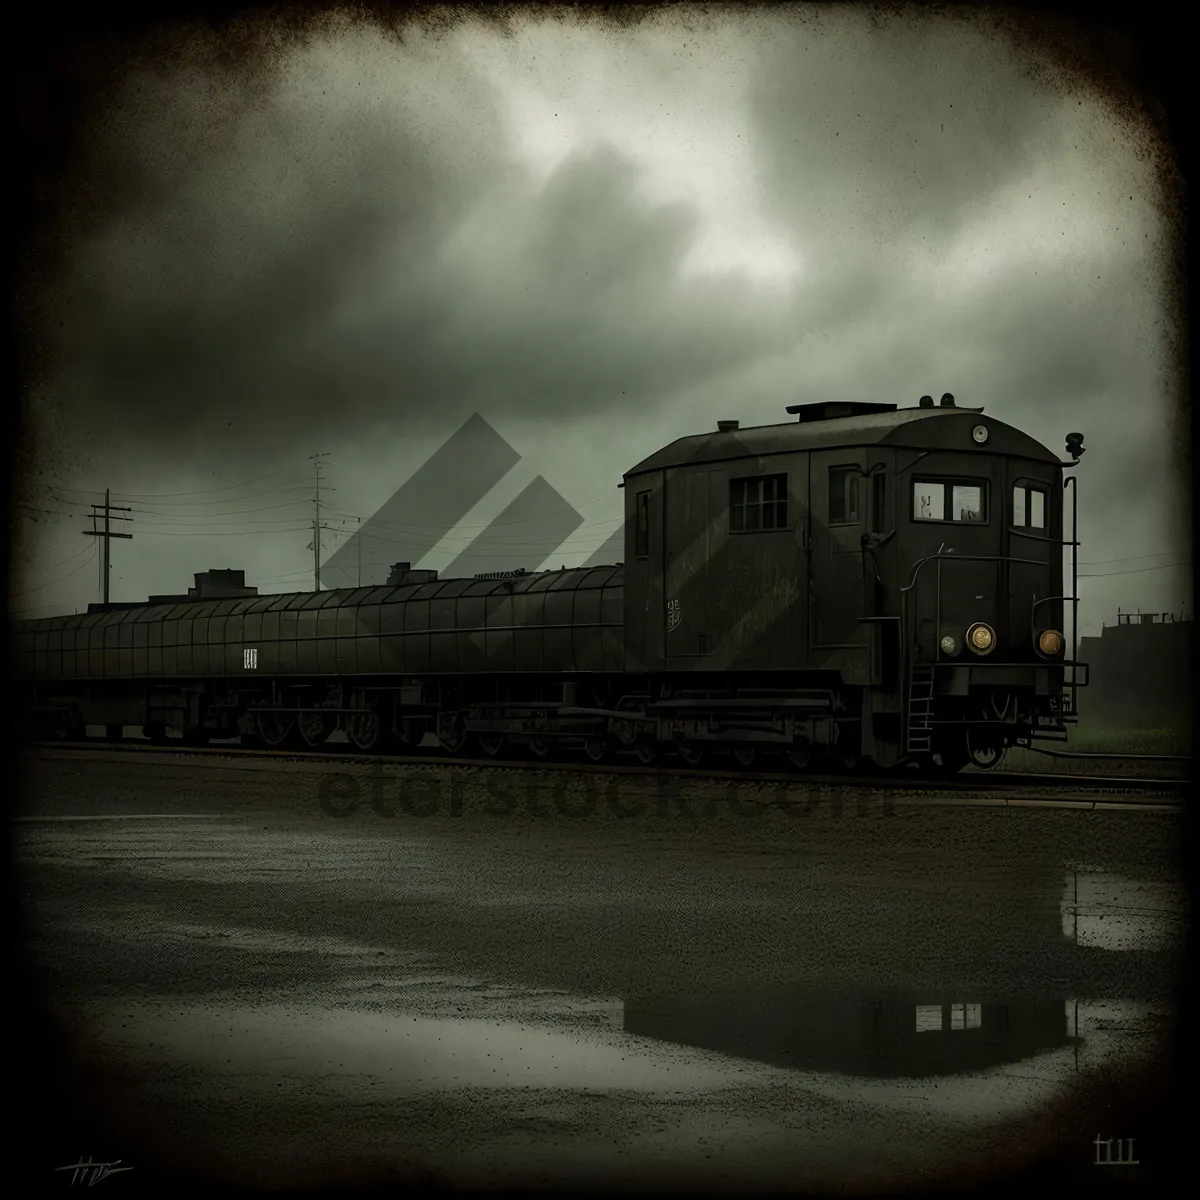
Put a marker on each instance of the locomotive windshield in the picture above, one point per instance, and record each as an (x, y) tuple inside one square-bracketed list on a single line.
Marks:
[(1029, 507), (961, 501)]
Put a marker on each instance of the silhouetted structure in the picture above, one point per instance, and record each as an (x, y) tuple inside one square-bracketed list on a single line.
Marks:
[(216, 584), (1140, 672), (403, 572)]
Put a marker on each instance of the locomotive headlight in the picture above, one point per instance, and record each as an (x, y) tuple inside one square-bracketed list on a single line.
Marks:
[(981, 638), (1050, 643), (980, 434), (949, 645)]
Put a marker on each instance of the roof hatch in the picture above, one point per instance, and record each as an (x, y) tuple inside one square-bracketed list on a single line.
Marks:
[(833, 410)]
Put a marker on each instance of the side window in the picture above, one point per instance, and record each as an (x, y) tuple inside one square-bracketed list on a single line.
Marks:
[(641, 547), (843, 496), (929, 502), (878, 494), (758, 504), (1029, 508), (967, 503), (964, 503)]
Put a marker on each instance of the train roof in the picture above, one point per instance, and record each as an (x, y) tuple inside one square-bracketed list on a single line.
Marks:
[(938, 428), (568, 579)]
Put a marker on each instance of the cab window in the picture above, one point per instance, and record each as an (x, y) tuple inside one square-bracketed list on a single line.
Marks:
[(641, 547), (758, 504), (962, 501), (1029, 507), (843, 496)]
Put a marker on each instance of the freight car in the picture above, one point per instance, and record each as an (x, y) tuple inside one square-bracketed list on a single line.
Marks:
[(864, 583)]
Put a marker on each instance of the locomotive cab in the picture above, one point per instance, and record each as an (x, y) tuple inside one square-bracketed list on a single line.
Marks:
[(984, 618)]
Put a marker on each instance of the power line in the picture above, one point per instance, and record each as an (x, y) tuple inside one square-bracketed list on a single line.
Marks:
[(1101, 562), (1132, 570), (56, 549), (52, 582), (224, 533), (236, 512), (491, 524)]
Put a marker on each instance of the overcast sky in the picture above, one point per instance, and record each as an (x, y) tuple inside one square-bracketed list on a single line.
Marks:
[(599, 240)]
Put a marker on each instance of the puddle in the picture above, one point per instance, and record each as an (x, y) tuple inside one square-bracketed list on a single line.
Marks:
[(405, 1054), (1110, 912), (964, 1058), (863, 1036)]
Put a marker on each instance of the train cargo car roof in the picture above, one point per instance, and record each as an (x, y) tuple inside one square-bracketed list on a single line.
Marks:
[(568, 579), (936, 428)]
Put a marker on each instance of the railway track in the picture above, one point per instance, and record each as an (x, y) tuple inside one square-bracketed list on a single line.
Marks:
[(1053, 785)]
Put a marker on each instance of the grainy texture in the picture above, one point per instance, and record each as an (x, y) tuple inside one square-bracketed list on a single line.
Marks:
[(273, 995)]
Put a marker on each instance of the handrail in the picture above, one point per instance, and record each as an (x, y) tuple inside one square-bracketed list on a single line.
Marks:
[(1072, 479), (1033, 562)]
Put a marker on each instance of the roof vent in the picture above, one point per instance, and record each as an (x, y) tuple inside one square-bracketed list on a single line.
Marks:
[(947, 401), (835, 410), (726, 426), (926, 401)]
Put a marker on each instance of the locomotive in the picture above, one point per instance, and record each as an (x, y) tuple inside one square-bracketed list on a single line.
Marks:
[(863, 583)]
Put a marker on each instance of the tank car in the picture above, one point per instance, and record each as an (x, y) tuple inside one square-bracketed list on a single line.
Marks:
[(863, 583)]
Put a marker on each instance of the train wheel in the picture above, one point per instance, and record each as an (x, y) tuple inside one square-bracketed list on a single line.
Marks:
[(987, 758), (314, 728), (155, 732), (491, 744), (799, 758), (744, 756), (539, 747), (596, 749), (408, 736), (274, 728), (365, 731), (645, 752), (455, 739), (951, 755), (692, 753)]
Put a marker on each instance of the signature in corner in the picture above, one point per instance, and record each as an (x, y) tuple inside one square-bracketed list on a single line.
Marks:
[(90, 1173)]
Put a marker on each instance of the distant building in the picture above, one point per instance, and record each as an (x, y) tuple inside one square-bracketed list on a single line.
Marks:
[(216, 584), (1140, 672), (403, 572)]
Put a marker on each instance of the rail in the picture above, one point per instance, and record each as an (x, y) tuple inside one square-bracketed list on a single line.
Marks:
[(967, 783), (1110, 755)]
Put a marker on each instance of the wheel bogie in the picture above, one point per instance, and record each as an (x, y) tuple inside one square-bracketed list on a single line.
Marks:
[(679, 722)]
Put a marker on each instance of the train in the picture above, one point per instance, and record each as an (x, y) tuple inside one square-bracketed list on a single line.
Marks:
[(862, 584)]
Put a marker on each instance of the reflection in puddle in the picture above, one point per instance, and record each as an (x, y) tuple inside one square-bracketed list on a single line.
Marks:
[(901, 1036)]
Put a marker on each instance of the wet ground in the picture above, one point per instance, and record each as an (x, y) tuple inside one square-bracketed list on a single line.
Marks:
[(538, 984)]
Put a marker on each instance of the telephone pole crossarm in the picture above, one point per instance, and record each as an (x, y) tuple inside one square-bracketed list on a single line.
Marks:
[(106, 509)]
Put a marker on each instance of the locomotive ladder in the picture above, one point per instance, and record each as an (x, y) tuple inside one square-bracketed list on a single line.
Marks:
[(920, 709)]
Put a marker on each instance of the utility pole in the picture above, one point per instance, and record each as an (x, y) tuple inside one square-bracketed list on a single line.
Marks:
[(107, 534), (316, 542)]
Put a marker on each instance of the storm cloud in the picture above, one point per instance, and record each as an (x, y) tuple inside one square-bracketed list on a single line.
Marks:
[(600, 239)]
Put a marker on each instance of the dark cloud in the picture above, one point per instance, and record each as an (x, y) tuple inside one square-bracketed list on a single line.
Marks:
[(343, 245), (329, 258), (911, 186)]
